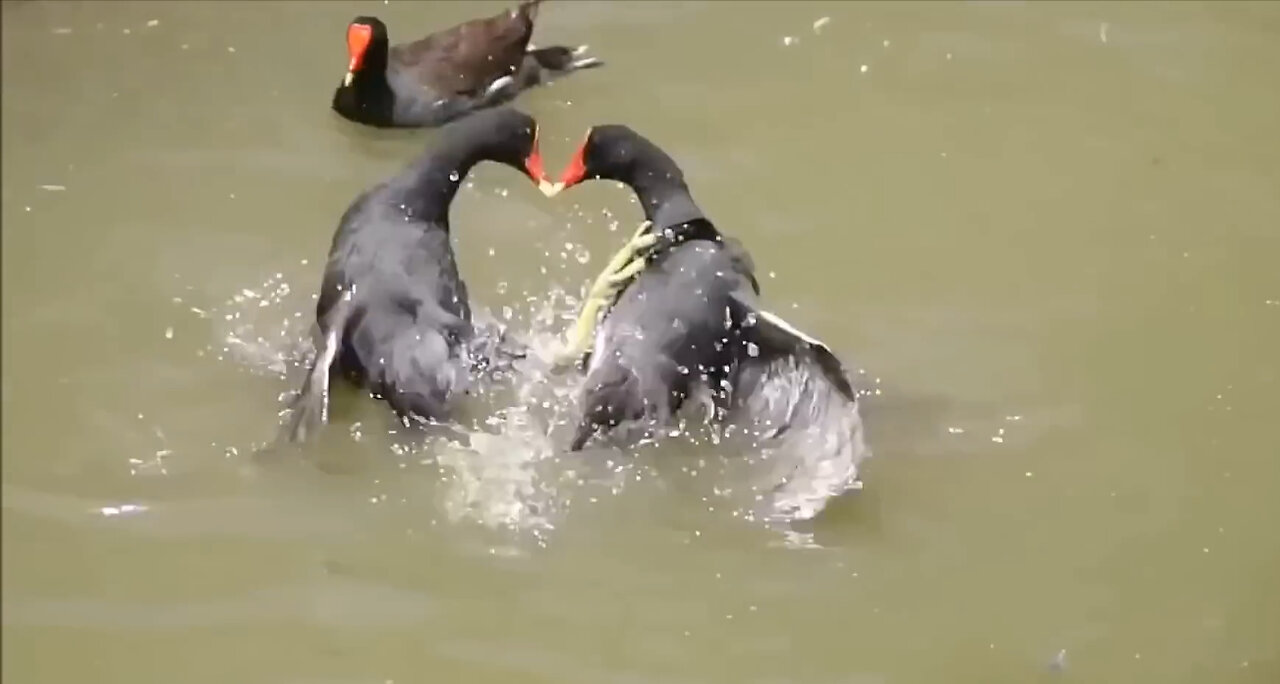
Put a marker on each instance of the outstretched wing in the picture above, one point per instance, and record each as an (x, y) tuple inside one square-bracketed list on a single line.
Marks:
[(774, 336), (793, 391)]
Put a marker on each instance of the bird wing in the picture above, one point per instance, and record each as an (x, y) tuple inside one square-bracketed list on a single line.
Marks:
[(465, 59), (793, 392), (775, 336)]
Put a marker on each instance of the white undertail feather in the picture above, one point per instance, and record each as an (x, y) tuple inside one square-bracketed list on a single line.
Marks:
[(584, 63), (597, 349), (320, 374), (777, 320), (499, 85)]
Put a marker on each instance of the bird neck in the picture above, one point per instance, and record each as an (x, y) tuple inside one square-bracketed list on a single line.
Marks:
[(665, 199), (430, 190)]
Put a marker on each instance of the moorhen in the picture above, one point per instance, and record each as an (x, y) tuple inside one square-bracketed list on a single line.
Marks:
[(451, 73), (393, 313), (679, 306)]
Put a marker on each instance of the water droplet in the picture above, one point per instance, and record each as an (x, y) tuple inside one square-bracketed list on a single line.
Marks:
[(453, 176), (752, 350), (168, 333), (583, 256)]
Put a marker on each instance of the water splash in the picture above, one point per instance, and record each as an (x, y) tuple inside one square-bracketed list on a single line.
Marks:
[(250, 331), (510, 472), (811, 435)]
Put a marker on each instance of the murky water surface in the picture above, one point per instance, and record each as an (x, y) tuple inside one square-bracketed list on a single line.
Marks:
[(1047, 233)]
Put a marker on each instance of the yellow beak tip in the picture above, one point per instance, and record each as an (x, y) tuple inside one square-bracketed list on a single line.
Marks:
[(550, 189)]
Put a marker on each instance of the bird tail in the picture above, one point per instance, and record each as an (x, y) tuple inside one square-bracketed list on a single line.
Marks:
[(310, 408), (526, 11), (563, 59)]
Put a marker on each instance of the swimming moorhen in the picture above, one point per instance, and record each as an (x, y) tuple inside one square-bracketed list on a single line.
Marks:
[(679, 306), (448, 74), (393, 312)]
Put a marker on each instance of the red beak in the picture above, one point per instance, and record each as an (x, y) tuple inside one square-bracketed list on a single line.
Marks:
[(358, 37), (533, 164), (533, 167), (577, 168)]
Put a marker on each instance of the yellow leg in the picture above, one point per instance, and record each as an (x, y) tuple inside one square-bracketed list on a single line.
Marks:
[(581, 334), (637, 244), (624, 266), (624, 275)]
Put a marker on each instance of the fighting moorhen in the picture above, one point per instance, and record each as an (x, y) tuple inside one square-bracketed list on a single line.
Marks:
[(393, 313), (451, 73), (680, 307)]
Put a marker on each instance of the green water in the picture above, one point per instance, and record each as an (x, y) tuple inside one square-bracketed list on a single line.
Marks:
[(1047, 232)]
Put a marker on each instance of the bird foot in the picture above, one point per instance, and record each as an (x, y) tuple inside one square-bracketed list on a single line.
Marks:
[(625, 264), (621, 269)]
